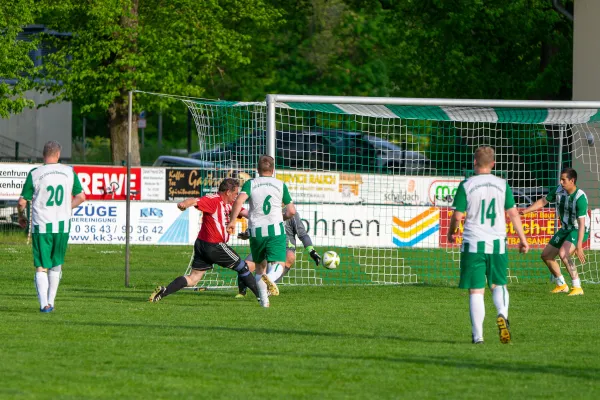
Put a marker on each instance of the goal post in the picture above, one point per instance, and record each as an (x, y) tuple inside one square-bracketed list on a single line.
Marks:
[(373, 178)]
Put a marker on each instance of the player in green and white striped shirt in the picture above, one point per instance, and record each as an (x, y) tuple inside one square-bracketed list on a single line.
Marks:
[(481, 201), (265, 194), (572, 209), (54, 190)]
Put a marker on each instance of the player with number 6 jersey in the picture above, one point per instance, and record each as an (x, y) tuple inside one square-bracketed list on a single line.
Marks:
[(266, 194)]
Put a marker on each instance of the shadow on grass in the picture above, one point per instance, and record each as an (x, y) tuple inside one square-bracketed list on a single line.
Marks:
[(141, 295), (246, 330), (470, 364)]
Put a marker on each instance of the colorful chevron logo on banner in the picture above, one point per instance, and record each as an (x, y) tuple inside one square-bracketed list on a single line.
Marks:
[(408, 233)]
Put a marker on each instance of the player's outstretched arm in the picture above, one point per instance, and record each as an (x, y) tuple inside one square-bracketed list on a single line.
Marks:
[(187, 203), (540, 203), (515, 218)]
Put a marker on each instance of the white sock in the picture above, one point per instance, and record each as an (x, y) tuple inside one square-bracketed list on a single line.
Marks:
[(477, 309), (41, 285), (577, 282), (560, 280), (54, 275), (500, 296), (263, 291), (275, 272)]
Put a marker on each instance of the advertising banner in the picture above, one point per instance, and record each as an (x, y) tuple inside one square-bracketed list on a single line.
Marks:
[(153, 184), (12, 179), (595, 230), (103, 222), (409, 190), (182, 183), (322, 187), (108, 182), (539, 227), (368, 226)]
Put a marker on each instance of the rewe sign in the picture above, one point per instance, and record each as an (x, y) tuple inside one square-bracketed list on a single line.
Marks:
[(107, 183)]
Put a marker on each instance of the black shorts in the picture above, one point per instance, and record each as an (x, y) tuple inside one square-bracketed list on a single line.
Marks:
[(206, 254)]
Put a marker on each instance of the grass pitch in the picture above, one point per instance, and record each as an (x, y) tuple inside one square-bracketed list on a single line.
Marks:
[(409, 341)]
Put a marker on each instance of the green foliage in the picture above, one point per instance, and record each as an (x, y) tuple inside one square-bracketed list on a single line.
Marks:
[(489, 49), (323, 47), (117, 46), (97, 150), (15, 64)]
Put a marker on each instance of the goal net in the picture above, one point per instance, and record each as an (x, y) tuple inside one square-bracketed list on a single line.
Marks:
[(375, 182)]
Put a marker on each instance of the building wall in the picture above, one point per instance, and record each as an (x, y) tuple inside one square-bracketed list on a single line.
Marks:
[(586, 87), (34, 127)]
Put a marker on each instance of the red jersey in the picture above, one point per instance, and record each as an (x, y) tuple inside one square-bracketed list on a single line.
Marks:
[(215, 217)]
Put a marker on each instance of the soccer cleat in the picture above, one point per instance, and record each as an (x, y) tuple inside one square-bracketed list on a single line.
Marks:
[(264, 303), (271, 286), (240, 295), (478, 341), (503, 329), (47, 309), (561, 289), (157, 295), (576, 291)]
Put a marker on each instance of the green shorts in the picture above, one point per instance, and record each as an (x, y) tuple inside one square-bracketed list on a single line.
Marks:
[(270, 248), (49, 249), (563, 235), (476, 268)]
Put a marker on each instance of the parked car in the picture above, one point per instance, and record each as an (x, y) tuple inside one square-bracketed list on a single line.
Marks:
[(344, 150), (391, 158), (294, 150), (320, 149), (8, 212)]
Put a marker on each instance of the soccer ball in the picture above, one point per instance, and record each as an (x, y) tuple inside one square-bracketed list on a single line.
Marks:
[(331, 260)]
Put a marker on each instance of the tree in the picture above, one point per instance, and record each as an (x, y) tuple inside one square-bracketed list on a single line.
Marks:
[(151, 45), (490, 49), (15, 64), (323, 47)]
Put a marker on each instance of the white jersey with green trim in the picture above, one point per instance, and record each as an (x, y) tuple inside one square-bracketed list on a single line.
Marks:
[(266, 195), (570, 207), (484, 198), (51, 188)]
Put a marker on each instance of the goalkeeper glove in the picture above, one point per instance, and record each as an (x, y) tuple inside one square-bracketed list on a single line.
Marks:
[(315, 256), (244, 235)]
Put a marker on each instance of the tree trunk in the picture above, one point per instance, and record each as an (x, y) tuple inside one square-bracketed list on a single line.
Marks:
[(118, 111), (118, 119)]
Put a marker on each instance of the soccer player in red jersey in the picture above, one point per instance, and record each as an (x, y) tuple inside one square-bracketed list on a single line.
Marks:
[(211, 245)]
